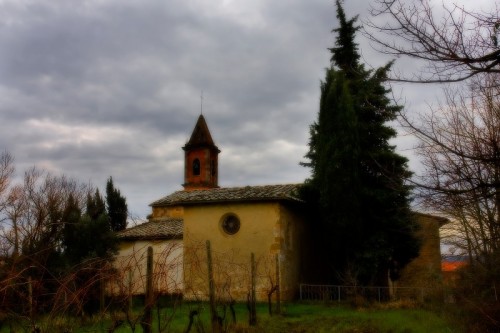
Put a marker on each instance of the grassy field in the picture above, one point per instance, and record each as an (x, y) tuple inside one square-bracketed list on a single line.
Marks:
[(296, 318), (316, 318)]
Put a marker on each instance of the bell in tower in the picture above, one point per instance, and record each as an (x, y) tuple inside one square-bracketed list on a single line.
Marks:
[(200, 159)]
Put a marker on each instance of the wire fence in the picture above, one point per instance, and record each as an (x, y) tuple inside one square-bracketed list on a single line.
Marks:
[(329, 293)]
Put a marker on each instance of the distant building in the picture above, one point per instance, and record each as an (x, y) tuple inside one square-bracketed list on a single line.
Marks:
[(424, 272), (266, 221), (451, 266)]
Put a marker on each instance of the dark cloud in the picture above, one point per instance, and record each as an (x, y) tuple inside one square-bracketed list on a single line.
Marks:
[(94, 89)]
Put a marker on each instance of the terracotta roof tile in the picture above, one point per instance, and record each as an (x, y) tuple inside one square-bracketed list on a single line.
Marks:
[(286, 192), (165, 228), (449, 266)]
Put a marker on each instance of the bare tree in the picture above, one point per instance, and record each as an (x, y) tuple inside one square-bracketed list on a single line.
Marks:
[(14, 210), (454, 47), (6, 172), (460, 150), (31, 235), (35, 211)]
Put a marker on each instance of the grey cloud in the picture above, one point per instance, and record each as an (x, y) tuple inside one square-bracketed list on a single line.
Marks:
[(138, 67)]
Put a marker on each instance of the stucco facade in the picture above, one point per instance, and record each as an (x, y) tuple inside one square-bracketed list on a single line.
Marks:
[(269, 226), (425, 270), (268, 229), (164, 236), (168, 276)]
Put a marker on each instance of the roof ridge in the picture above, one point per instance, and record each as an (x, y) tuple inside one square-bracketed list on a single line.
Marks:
[(240, 187), (232, 194)]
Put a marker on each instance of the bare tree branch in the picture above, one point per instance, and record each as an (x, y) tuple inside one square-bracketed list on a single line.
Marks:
[(454, 47), (460, 151)]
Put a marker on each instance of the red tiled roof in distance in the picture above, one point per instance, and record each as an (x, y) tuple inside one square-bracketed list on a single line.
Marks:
[(451, 266)]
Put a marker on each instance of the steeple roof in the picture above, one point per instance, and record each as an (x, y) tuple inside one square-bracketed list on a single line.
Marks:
[(201, 135)]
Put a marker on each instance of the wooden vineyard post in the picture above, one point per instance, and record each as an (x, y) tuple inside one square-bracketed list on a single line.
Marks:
[(211, 291), (252, 320), (30, 296), (147, 319), (278, 291), (102, 290)]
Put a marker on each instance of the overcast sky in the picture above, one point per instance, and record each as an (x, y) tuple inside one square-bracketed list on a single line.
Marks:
[(99, 88)]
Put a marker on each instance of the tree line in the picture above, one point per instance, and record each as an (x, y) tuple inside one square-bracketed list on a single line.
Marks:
[(50, 225)]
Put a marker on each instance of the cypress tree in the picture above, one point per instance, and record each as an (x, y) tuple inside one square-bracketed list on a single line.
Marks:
[(89, 241), (89, 235), (71, 216), (117, 207), (358, 179), (95, 205)]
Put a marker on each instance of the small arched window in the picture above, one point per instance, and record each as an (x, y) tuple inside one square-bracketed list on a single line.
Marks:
[(196, 167)]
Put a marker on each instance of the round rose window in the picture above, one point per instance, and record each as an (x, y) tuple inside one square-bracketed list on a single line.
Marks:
[(230, 224)]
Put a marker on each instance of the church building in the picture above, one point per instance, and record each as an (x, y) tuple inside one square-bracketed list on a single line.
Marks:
[(233, 226)]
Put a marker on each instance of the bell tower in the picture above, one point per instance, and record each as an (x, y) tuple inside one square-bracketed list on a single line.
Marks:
[(201, 158)]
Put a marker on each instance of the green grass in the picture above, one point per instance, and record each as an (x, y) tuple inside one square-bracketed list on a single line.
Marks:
[(321, 318), (296, 318)]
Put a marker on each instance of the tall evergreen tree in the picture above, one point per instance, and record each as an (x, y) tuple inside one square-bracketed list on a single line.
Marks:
[(95, 205), (89, 235), (89, 243), (71, 218), (117, 207), (357, 177)]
